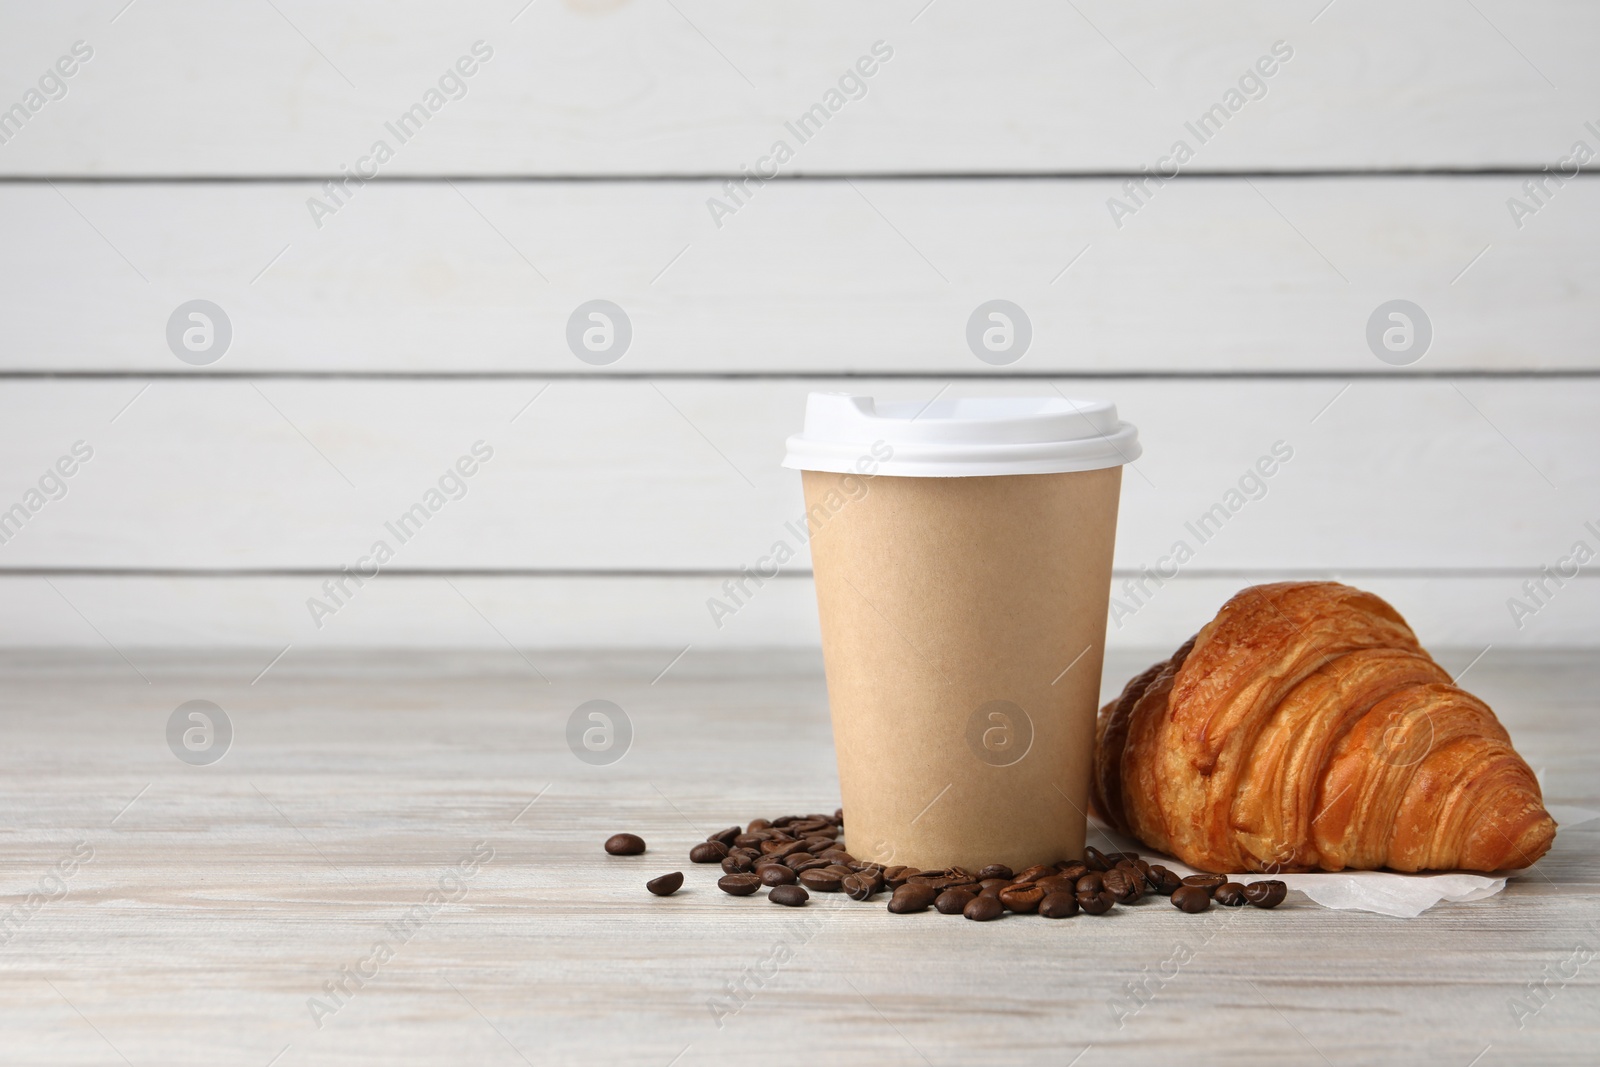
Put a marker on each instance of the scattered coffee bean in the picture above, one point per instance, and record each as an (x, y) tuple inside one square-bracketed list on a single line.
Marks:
[(739, 885), (790, 896), (982, 909), (1123, 883), (821, 881), (1163, 881), (1033, 874), (1267, 894), (1095, 901), (795, 855), (911, 898), (776, 874), (1230, 895), (1055, 883), (708, 852), (862, 885), (1059, 905), (666, 885), (1021, 898), (625, 844)]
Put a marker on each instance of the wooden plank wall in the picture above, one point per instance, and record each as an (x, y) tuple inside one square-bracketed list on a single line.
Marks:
[(1329, 159)]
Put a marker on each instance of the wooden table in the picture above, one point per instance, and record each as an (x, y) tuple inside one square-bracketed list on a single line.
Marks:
[(220, 900)]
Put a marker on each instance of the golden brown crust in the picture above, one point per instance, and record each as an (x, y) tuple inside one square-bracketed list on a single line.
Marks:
[(1305, 729)]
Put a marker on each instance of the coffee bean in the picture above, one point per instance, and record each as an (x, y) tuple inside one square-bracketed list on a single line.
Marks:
[(911, 897), (1095, 901), (982, 909), (821, 881), (898, 880), (812, 864), (996, 870), (1033, 874), (893, 872), (838, 816), (992, 886), (1114, 858), (1230, 895), (1073, 870), (1123, 883), (708, 852), (779, 849), (776, 874), (625, 844), (733, 863), (750, 841), (1059, 905), (784, 820), (757, 824), (725, 836), (953, 901), (1191, 898), (1092, 882), (796, 860), (1208, 882), (1094, 859), (739, 885), (1163, 881), (839, 855), (862, 885), (666, 885), (1267, 894), (1057, 884), (790, 896), (1021, 898)]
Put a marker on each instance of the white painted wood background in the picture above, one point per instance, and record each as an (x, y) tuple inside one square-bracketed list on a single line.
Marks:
[(1226, 313)]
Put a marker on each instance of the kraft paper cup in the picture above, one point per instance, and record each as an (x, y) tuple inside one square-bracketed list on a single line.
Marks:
[(962, 553)]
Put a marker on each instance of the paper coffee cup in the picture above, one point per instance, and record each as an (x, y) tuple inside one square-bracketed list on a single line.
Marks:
[(962, 552)]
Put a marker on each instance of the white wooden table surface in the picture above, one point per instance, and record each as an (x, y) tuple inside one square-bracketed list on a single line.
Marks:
[(220, 899)]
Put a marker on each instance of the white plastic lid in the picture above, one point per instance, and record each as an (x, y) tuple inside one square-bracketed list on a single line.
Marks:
[(961, 437)]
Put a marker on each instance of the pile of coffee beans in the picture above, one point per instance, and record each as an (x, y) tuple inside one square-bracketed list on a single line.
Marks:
[(793, 856)]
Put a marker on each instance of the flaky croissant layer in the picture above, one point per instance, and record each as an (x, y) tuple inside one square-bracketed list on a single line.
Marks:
[(1305, 729)]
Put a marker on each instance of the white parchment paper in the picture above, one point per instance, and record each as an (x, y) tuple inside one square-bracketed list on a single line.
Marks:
[(1382, 892)]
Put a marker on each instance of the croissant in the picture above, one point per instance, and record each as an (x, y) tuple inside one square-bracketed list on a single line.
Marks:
[(1305, 729)]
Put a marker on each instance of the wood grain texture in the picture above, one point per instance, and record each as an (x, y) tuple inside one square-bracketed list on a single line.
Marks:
[(631, 475), (219, 899), (1216, 275), (612, 87), (266, 615)]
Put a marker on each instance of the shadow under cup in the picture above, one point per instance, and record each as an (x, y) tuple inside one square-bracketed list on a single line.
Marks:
[(963, 628)]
